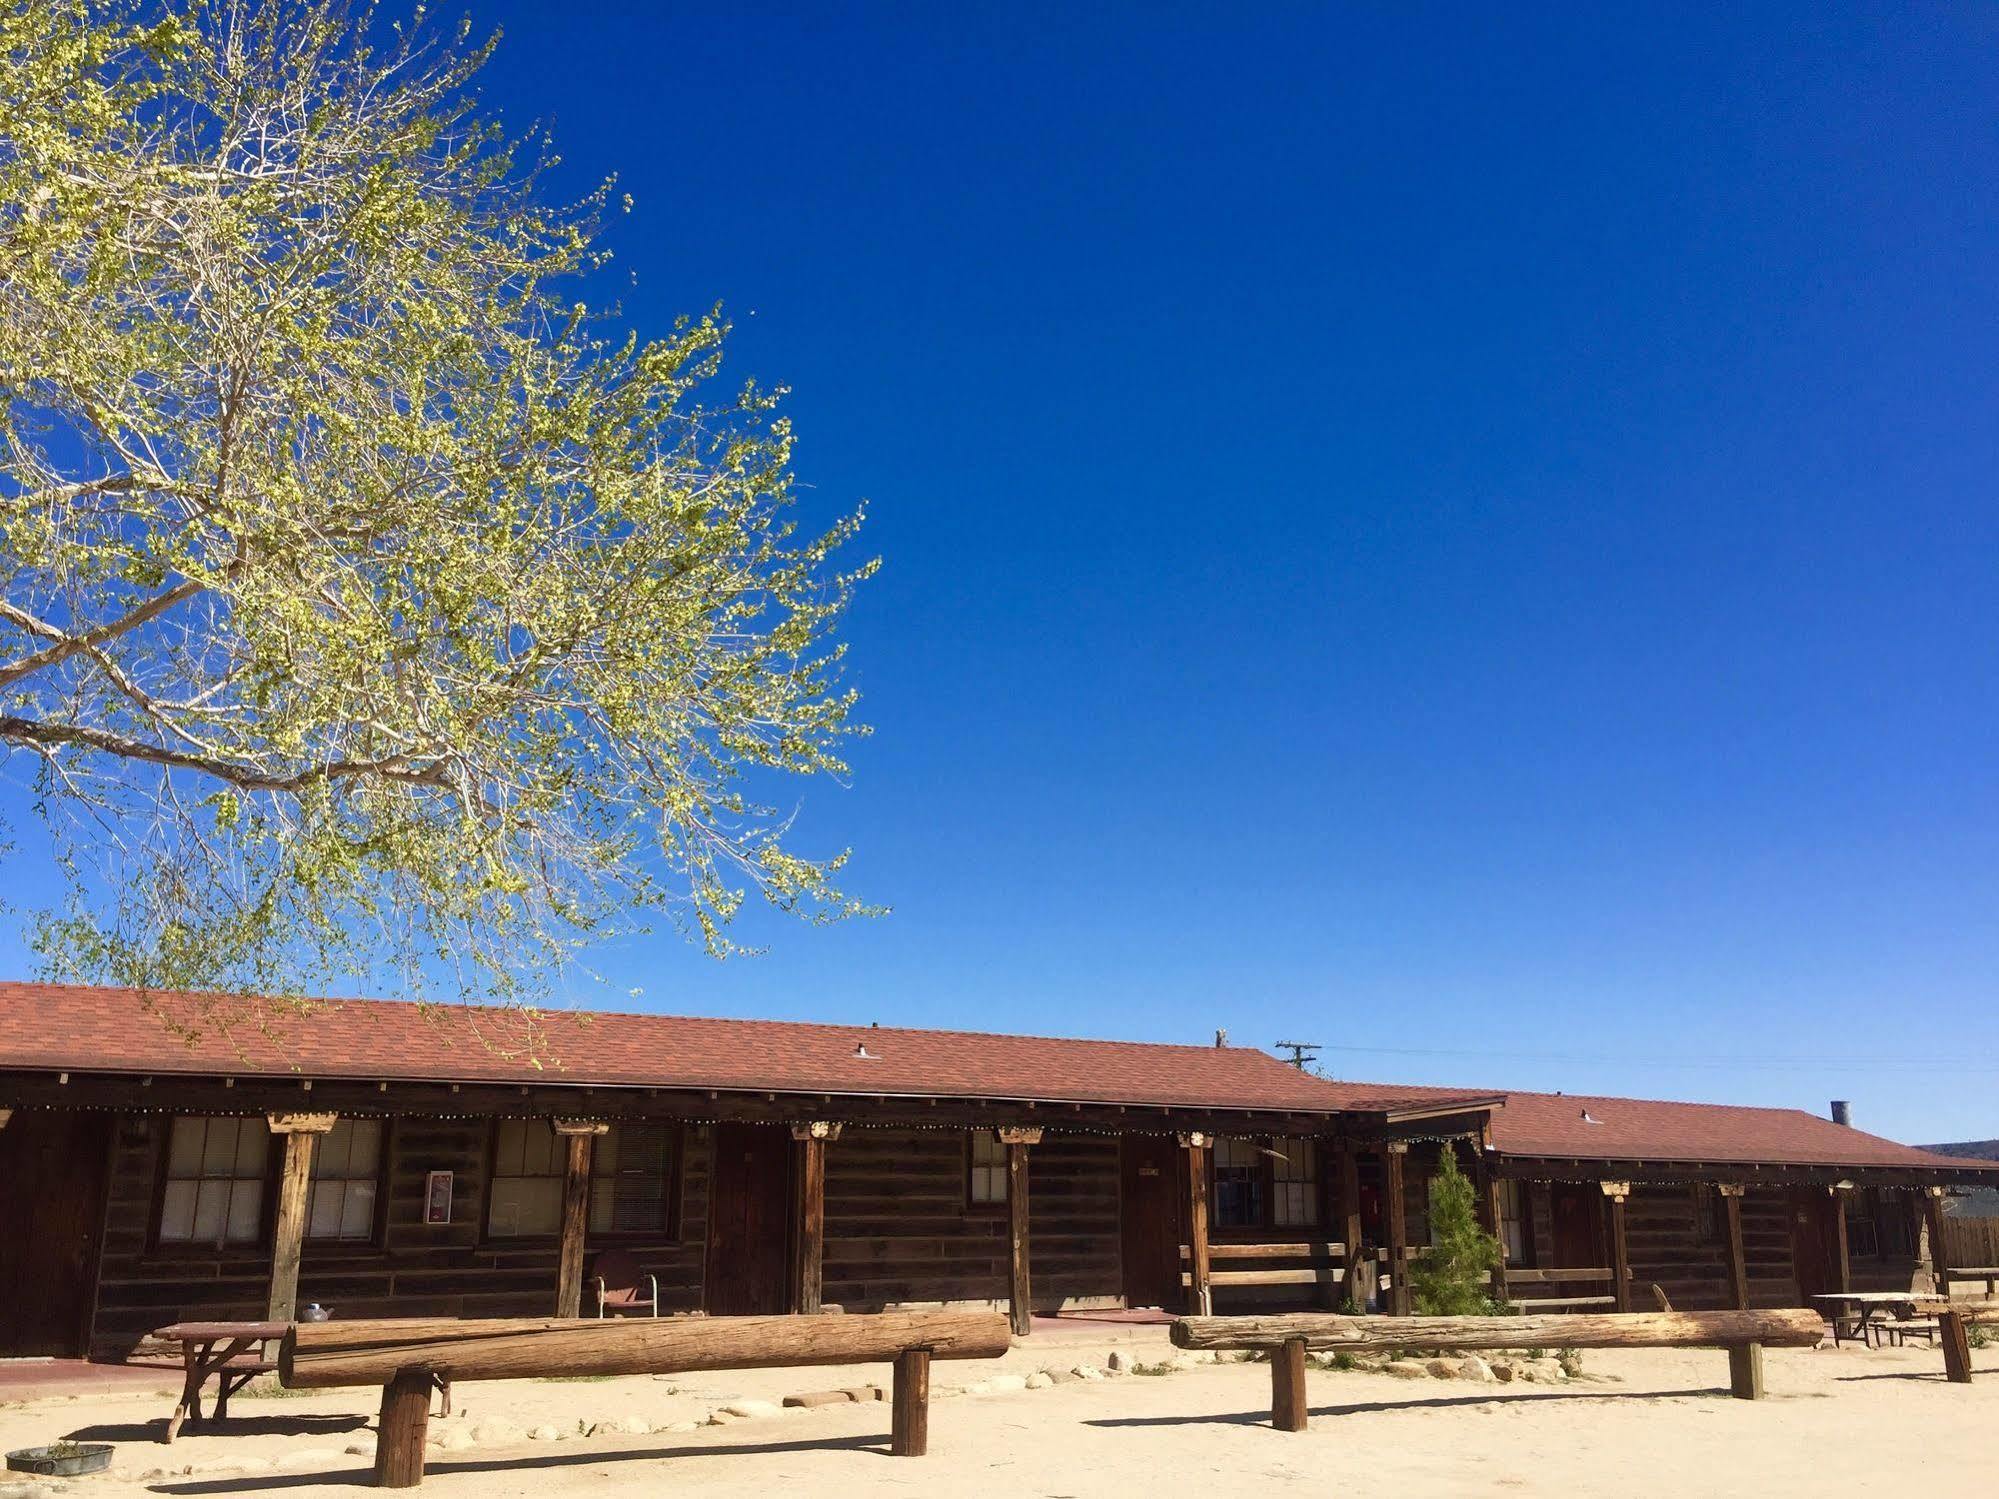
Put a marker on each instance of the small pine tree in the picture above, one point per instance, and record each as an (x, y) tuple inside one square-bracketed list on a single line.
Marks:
[(1453, 1279)]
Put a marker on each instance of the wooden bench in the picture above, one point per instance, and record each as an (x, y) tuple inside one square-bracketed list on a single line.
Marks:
[(407, 1357), (1954, 1319), (1286, 1339)]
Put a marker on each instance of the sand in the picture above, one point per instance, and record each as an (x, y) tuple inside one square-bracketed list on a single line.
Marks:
[(1845, 1421)]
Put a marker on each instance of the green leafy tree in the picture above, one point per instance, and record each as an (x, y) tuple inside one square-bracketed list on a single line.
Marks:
[(367, 597), (1454, 1278)]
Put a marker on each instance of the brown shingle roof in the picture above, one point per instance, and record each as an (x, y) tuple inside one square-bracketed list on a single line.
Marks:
[(119, 1030)]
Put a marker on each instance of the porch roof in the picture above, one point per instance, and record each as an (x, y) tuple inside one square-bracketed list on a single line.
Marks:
[(95, 1029)]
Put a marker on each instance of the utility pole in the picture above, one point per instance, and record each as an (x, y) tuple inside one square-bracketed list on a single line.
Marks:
[(1302, 1052)]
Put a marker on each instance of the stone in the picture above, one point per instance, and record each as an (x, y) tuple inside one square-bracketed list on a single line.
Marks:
[(1403, 1368), (1039, 1380), (1088, 1371), (544, 1433), (457, 1440), (1471, 1366), (360, 1449), (634, 1426), (1061, 1376), (978, 1387), (813, 1398), (681, 1428), (1006, 1384), (495, 1433), (1438, 1369), (1117, 1363), (1503, 1372), (753, 1410)]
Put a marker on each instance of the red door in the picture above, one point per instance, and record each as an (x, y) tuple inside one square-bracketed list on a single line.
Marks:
[(749, 1221), (52, 1169)]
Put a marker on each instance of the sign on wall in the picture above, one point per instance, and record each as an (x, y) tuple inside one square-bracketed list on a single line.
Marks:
[(437, 1198)]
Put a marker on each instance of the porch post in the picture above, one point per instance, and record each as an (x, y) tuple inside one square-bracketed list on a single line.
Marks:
[(1019, 1293), (1200, 1300), (1842, 1261), (1614, 1194), (1395, 1209), (1933, 1228), (1353, 1231), (580, 1133), (808, 1238), (1738, 1262), (1492, 1217), (300, 1132)]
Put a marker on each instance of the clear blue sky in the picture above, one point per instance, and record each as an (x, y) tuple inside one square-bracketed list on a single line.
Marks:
[(1470, 532)]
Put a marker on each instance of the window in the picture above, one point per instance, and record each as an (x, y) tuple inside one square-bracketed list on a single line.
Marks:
[(631, 1179), (526, 1196), (216, 1170), (1516, 1224), (988, 1169), (346, 1174), (1878, 1223), (1238, 1183), (1294, 1170)]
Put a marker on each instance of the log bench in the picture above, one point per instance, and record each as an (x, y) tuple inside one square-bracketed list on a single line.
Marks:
[(1286, 1339), (1954, 1319), (408, 1356)]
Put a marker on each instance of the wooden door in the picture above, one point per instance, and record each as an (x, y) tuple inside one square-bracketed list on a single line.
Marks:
[(1814, 1243), (1575, 1214), (749, 1221), (52, 1167), (1152, 1219)]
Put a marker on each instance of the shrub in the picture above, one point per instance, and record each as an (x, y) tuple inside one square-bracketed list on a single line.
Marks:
[(1454, 1278)]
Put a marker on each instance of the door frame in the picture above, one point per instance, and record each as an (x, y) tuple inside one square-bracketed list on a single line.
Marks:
[(97, 1212), (786, 1189)]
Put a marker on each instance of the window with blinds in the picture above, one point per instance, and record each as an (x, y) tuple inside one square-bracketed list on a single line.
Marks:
[(1294, 1182), (987, 1165), (346, 1178)]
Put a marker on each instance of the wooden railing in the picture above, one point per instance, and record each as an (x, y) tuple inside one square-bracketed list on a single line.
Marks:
[(1518, 1281), (1317, 1263)]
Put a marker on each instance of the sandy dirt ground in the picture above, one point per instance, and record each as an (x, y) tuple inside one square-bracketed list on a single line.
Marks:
[(1846, 1421)]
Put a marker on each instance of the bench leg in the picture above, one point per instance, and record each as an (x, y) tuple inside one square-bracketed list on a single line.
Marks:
[(1287, 1386), (405, 1420), (909, 1423), (1745, 1371), (1956, 1347), (189, 1406)]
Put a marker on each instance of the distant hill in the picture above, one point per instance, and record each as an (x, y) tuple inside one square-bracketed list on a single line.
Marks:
[(1977, 1150)]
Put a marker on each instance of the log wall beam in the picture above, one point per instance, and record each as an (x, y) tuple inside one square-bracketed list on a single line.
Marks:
[(1395, 1210), (1019, 1290), (579, 1135), (1738, 1259), (1200, 1297), (300, 1133)]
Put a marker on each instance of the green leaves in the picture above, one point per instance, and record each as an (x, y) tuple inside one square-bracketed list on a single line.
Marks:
[(485, 625)]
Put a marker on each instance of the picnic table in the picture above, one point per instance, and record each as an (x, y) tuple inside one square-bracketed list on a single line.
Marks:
[(1868, 1306), (230, 1353)]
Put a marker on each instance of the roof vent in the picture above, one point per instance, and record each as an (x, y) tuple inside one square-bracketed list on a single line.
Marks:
[(862, 1054), (1589, 1118)]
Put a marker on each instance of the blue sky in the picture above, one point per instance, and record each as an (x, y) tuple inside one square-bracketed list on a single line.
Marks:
[(1464, 536)]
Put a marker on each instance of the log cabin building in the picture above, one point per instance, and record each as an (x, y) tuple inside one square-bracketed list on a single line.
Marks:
[(382, 1159)]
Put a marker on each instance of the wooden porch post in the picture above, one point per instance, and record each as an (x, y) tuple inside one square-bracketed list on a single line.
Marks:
[(1492, 1217), (1200, 1300), (1842, 1261), (580, 1133), (1738, 1262), (1614, 1194), (808, 1236), (1395, 1210), (1353, 1231), (1933, 1229), (300, 1132), (1019, 1292)]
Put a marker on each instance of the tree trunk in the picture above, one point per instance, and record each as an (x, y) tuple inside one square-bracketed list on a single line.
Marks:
[(320, 1354), (1788, 1328)]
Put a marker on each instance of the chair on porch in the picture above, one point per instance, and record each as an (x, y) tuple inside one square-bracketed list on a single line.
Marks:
[(616, 1274)]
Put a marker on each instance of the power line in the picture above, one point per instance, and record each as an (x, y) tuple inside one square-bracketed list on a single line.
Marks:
[(1955, 1062)]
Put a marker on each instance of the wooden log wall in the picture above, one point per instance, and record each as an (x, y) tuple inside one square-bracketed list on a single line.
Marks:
[(416, 1270), (900, 1232)]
